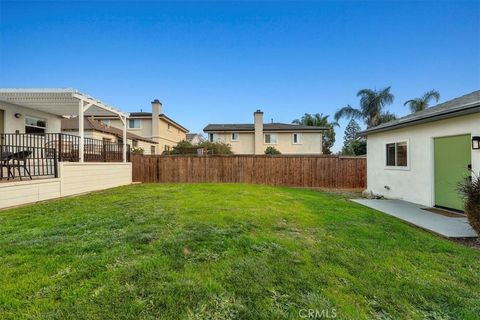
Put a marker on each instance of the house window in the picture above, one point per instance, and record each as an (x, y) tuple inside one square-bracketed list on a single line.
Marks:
[(134, 143), (168, 126), (211, 137), (105, 121), (35, 125), (270, 138), (296, 138), (152, 149), (397, 154), (134, 123), (234, 136)]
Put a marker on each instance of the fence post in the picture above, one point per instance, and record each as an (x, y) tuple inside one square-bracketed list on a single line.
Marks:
[(104, 151), (60, 142), (55, 163)]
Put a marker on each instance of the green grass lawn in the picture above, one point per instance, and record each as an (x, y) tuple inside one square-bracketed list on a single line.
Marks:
[(223, 251)]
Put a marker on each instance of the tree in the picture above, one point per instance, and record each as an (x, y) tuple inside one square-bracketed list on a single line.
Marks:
[(351, 132), (359, 147), (320, 120), (371, 111), (423, 102), (353, 145)]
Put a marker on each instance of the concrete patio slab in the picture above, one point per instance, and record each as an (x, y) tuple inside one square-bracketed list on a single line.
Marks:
[(451, 227)]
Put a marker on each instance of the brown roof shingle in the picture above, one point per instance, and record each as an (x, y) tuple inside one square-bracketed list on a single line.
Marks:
[(92, 124)]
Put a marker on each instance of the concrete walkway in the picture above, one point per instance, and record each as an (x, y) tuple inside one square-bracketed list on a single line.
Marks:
[(410, 212)]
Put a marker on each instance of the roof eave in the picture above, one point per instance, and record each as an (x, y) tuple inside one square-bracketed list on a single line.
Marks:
[(432, 118)]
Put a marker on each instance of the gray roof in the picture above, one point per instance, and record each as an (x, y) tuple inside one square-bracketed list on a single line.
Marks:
[(467, 104), (191, 136), (249, 127)]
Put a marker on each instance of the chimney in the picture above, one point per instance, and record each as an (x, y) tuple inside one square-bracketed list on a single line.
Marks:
[(258, 121), (156, 110)]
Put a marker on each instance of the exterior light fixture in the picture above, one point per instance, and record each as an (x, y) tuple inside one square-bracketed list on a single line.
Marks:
[(17, 115), (476, 143)]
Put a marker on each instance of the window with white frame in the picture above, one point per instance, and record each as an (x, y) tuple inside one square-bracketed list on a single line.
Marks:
[(134, 123), (105, 121), (296, 138), (211, 137), (35, 125), (397, 154), (234, 136), (270, 138)]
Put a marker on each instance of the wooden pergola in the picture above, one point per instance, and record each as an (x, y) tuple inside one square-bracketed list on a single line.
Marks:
[(67, 103)]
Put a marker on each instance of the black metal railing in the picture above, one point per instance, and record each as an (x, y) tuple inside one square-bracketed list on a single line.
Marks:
[(27, 162), (67, 146), (32, 155)]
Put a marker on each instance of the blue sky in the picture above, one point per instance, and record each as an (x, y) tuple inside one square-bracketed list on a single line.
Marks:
[(218, 62)]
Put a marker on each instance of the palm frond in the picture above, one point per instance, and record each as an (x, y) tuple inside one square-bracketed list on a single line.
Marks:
[(348, 112), (429, 95), (409, 102), (387, 117)]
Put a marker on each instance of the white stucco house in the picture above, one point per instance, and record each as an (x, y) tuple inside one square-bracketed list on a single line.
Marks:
[(422, 157)]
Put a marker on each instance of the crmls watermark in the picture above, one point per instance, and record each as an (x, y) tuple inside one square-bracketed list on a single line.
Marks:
[(317, 314)]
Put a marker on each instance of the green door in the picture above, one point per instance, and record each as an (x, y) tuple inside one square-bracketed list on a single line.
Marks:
[(452, 160)]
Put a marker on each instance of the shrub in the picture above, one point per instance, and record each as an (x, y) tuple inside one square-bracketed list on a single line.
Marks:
[(272, 151), (216, 147), (137, 150), (183, 147), (470, 189)]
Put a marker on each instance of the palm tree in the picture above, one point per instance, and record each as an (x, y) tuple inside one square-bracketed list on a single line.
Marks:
[(320, 120), (422, 103), (372, 103)]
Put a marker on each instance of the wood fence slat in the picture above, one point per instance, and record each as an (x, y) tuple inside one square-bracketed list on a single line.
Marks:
[(301, 171)]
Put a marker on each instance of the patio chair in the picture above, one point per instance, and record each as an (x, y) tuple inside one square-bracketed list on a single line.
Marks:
[(20, 158), (65, 150), (4, 159)]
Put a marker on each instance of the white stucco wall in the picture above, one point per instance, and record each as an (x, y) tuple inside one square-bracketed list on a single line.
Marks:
[(11, 124), (416, 182), (74, 178), (311, 143), (91, 176)]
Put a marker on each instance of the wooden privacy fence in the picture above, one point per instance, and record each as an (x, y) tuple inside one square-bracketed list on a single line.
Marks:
[(300, 171)]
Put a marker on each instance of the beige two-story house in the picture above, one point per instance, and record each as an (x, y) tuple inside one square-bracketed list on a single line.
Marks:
[(153, 125), (255, 138), (95, 129)]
